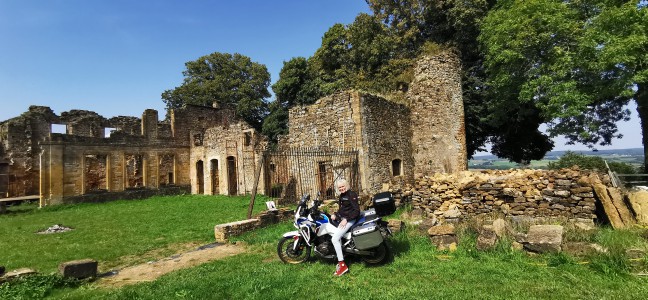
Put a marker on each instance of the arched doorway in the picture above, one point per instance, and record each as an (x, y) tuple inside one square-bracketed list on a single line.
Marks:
[(200, 177), (231, 176), (214, 176)]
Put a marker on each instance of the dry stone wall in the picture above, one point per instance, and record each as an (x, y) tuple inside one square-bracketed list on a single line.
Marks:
[(514, 193)]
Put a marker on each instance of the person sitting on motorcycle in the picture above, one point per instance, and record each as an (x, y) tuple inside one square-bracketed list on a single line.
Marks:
[(347, 214)]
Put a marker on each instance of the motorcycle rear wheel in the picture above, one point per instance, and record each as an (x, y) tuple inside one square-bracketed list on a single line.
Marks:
[(381, 255), (287, 255)]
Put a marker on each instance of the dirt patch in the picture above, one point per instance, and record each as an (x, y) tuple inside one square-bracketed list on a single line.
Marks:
[(152, 270)]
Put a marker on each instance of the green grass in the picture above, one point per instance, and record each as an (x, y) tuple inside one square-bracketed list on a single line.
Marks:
[(114, 233), (417, 271)]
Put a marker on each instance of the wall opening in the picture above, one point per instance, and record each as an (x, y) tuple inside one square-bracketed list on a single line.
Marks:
[(325, 179), (4, 180), (231, 176), (397, 167), (213, 167), (247, 140), (200, 177), (59, 128), (165, 169), (108, 131), (134, 170), (94, 173)]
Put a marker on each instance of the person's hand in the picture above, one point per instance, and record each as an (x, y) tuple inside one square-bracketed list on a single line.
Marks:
[(343, 224), (333, 217)]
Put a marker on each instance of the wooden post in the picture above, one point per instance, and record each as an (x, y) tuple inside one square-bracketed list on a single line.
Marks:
[(257, 174)]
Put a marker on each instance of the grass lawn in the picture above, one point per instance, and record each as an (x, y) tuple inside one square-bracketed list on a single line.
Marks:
[(114, 233), (417, 271)]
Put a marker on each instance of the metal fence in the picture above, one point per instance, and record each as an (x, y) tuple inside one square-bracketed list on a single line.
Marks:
[(290, 173)]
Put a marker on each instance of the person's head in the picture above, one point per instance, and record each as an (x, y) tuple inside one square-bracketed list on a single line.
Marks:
[(342, 186)]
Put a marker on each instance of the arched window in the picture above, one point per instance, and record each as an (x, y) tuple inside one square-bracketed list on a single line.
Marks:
[(397, 167)]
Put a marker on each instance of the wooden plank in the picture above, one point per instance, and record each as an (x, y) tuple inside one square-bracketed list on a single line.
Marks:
[(23, 198)]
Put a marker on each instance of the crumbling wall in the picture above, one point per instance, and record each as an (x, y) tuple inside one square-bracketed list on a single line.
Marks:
[(387, 135), (331, 122), (239, 141), (515, 193), (436, 103)]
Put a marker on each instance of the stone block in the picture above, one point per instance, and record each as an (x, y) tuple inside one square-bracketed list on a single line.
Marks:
[(544, 238), (639, 203), (79, 269), (500, 227), (448, 229), (444, 242), (17, 273), (222, 232), (487, 238), (396, 226)]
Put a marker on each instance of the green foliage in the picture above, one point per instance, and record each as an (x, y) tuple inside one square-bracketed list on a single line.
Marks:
[(570, 64), (34, 286), (570, 159), (231, 81)]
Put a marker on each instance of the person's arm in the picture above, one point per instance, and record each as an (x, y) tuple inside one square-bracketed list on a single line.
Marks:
[(355, 212)]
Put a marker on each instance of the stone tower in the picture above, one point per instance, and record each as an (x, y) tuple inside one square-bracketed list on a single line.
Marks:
[(436, 102)]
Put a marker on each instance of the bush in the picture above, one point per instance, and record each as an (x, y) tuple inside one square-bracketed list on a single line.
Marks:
[(590, 163)]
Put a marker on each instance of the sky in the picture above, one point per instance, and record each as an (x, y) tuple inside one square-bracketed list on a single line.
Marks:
[(116, 57)]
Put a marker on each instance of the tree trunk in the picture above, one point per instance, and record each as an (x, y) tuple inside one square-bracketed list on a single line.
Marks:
[(642, 109)]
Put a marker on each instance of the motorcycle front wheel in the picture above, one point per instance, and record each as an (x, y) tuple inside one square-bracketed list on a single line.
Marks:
[(288, 254), (381, 255)]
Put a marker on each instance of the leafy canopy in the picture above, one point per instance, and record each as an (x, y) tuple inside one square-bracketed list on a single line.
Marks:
[(229, 81)]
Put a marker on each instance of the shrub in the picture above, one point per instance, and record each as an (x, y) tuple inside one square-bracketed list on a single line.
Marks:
[(591, 163)]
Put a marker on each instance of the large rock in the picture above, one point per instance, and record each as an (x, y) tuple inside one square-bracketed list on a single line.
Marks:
[(544, 238), (500, 227), (396, 226), (443, 237), (487, 238), (17, 273), (79, 269), (638, 200)]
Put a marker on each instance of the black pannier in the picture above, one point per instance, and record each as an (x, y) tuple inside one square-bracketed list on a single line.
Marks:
[(384, 203), (367, 236)]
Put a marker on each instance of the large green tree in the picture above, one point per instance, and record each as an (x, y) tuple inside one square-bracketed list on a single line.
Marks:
[(228, 80), (572, 65)]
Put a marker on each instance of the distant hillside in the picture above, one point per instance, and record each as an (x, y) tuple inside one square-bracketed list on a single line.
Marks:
[(556, 154)]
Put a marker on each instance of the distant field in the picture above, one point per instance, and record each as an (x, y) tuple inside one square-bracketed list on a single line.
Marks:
[(631, 156)]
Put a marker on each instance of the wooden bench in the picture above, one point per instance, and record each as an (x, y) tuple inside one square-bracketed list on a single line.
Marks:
[(4, 201)]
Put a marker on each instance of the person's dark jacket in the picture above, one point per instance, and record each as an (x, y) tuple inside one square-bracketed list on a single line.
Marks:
[(349, 206)]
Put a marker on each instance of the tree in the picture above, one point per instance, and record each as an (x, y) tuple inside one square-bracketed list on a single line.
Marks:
[(451, 23), (230, 81), (572, 65)]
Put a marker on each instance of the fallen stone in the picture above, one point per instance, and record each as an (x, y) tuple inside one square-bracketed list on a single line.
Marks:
[(638, 200), (17, 273), (499, 226), (427, 223), (452, 213), (79, 269), (544, 238), (582, 248), (487, 238), (447, 229), (396, 226), (517, 246), (608, 207), (622, 208)]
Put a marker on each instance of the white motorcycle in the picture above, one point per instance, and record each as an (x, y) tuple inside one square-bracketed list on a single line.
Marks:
[(366, 238)]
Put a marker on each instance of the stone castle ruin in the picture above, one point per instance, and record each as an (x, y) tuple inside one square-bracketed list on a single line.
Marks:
[(206, 150)]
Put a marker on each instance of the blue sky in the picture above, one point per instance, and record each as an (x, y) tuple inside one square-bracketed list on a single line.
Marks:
[(116, 57)]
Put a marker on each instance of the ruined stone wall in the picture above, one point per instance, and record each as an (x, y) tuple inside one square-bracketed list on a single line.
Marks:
[(386, 133), (188, 121), (238, 141), (514, 193), (436, 103), (332, 121)]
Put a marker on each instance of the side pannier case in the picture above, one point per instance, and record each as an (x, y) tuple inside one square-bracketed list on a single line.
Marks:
[(384, 203), (367, 236)]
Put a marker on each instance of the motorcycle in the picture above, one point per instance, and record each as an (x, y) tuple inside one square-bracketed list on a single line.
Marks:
[(367, 238)]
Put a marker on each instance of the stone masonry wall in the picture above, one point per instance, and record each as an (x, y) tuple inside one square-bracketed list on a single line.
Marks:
[(387, 134), (514, 193), (332, 121), (436, 101)]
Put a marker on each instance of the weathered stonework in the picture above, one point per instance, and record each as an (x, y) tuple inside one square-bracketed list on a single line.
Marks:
[(515, 193), (437, 121)]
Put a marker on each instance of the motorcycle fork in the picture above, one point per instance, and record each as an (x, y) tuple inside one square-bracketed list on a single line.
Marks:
[(296, 242)]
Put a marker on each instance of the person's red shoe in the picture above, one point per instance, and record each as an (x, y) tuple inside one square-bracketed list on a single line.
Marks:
[(341, 269)]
